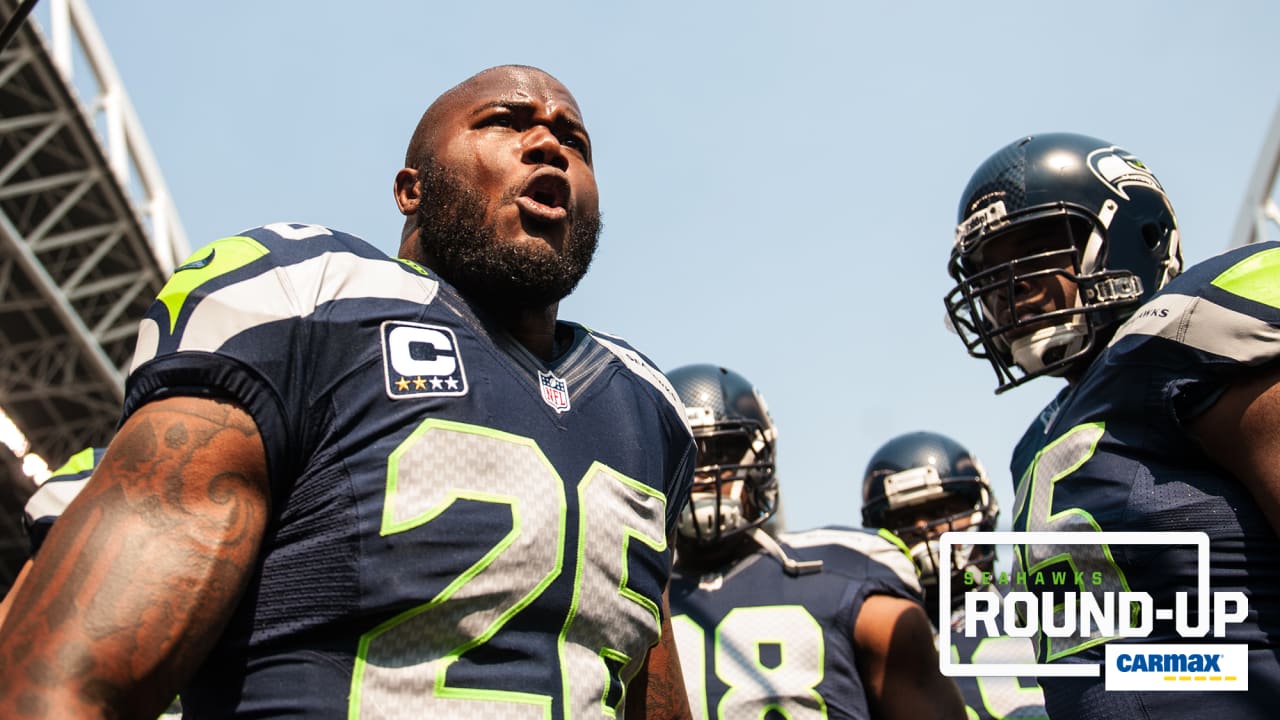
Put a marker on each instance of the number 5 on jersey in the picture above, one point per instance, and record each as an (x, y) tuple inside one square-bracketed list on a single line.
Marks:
[(401, 667)]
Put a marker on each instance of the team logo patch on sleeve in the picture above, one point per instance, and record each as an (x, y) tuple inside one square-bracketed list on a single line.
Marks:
[(421, 361), (554, 391)]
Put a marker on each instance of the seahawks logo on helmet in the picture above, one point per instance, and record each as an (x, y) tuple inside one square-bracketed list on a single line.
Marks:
[(1118, 169)]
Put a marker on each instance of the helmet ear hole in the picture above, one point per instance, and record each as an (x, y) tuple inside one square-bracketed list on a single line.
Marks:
[(1153, 235)]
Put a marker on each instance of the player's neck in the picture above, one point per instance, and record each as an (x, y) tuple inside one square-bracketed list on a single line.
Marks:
[(693, 558), (534, 328)]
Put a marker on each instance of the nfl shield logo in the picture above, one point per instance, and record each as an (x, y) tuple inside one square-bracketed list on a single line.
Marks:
[(554, 391)]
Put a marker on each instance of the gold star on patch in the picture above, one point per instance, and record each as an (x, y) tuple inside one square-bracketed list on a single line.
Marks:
[(419, 384), (402, 385)]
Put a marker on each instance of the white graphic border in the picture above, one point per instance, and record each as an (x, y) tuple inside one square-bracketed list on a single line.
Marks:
[(950, 539)]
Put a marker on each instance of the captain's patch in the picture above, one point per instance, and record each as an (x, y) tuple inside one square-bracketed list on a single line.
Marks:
[(421, 361)]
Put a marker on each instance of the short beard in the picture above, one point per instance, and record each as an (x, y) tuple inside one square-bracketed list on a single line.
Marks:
[(467, 254)]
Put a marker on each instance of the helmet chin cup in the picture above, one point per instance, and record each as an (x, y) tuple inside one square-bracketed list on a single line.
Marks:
[(923, 554), (926, 553), (697, 520), (1048, 345)]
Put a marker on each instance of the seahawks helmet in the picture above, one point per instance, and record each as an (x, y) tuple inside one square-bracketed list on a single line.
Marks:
[(735, 486), (1056, 207), (922, 484)]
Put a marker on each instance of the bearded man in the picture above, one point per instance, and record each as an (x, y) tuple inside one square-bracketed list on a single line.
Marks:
[(347, 485)]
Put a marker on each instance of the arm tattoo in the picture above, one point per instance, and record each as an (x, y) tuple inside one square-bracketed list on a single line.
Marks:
[(658, 692), (141, 573), (663, 698)]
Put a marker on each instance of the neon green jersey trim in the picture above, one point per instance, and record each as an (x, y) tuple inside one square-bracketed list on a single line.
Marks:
[(415, 266), (888, 534), (217, 258), (1254, 278), (78, 463)]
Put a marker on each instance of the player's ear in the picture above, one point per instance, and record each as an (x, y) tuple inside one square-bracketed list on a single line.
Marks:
[(408, 191)]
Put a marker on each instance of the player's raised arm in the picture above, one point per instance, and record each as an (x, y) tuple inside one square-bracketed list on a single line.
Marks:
[(141, 573)]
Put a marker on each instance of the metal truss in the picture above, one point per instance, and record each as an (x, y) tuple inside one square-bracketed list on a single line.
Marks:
[(1259, 218), (83, 252)]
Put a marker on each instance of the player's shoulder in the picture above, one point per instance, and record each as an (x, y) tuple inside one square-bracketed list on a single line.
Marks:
[(53, 496), (857, 552), (861, 540), (316, 263), (1226, 307), (271, 274), (637, 364), (298, 248), (285, 236)]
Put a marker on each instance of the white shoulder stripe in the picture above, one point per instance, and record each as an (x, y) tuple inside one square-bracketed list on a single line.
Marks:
[(51, 498), (1204, 325), (636, 364), (288, 292), (864, 543)]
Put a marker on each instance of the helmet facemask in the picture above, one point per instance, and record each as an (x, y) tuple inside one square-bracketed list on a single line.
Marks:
[(1033, 297), (918, 505), (735, 488)]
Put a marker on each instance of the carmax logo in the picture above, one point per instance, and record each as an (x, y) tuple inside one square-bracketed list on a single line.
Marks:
[(1177, 667)]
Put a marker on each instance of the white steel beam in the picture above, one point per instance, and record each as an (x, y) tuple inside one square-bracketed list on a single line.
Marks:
[(1259, 207)]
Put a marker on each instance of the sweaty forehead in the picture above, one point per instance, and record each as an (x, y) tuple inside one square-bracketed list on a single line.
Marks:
[(513, 84), (516, 85)]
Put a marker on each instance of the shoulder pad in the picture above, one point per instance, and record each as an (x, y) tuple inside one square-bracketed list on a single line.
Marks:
[(883, 549)]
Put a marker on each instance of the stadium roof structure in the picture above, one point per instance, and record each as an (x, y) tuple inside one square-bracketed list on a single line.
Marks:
[(1259, 214), (88, 233)]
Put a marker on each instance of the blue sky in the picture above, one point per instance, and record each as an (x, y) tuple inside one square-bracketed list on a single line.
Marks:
[(779, 180)]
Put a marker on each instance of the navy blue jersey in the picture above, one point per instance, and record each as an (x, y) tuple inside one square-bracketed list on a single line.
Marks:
[(752, 637), (1113, 453), (458, 529), (995, 697)]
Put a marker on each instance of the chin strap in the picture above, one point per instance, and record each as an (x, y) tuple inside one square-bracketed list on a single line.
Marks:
[(791, 566)]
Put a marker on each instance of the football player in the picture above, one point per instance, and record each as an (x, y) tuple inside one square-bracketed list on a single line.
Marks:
[(920, 485), (824, 623), (1068, 264), (352, 486), (46, 504)]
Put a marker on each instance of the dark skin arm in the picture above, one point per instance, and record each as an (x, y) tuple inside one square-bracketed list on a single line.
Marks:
[(139, 576), (1241, 432), (13, 590), (898, 661), (657, 692)]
